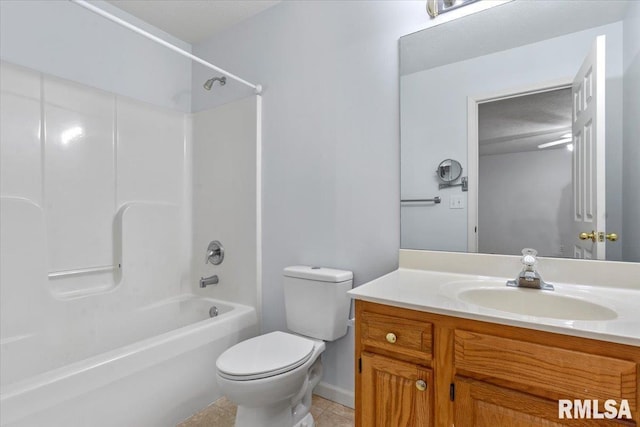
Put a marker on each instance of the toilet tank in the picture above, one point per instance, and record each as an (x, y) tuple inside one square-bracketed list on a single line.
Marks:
[(316, 301)]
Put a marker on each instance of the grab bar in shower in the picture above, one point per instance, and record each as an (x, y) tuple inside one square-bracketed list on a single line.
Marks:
[(81, 271), (435, 200)]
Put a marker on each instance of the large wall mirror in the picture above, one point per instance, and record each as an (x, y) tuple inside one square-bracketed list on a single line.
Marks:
[(539, 102)]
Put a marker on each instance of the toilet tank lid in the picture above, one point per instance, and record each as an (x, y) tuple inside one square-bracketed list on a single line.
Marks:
[(322, 274)]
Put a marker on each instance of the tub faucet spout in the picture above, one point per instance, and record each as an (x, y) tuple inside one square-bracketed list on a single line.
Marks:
[(211, 280)]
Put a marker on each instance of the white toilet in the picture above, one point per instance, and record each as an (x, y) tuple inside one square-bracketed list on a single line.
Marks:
[(271, 377)]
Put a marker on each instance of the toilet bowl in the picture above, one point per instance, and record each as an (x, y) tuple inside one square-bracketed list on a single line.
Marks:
[(271, 377)]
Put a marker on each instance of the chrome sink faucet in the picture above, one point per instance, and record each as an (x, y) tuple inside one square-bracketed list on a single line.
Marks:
[(529, 277)]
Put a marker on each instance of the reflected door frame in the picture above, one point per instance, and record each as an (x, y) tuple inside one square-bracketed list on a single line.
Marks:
[(473, 156)]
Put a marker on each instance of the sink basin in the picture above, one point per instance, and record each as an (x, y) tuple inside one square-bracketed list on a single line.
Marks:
[(534, 302)]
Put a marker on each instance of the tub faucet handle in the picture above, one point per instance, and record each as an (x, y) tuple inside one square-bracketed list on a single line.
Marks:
[(215, 253)]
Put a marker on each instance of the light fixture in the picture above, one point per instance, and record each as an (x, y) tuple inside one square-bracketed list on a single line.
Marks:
[(554, 143), (570, 147), (436, 7)]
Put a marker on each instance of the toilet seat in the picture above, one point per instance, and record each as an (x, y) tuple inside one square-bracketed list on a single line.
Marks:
[(264, 356)]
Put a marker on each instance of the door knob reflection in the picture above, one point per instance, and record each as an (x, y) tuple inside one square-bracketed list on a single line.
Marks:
[(588, 236)]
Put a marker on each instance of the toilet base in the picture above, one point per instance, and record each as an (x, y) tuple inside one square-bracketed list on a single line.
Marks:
[(287, 412), (307, 421), (270, 416), (277, 418)]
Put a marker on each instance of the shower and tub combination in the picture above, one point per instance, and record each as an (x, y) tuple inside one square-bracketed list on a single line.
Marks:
[(105, 219)]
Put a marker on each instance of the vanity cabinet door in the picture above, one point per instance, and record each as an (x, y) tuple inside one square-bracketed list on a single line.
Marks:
[(545, 370), (395, 393), (479, 404)]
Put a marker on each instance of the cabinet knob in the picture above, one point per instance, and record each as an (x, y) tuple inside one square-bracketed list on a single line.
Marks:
[(421, 385), (391, 337)]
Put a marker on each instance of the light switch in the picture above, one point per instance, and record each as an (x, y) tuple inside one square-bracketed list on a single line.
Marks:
[(456, 202)]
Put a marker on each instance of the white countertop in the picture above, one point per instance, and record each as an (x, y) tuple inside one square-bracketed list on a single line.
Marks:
[(435, 292)]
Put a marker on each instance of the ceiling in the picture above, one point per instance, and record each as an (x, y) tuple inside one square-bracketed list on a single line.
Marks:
[(522, 123), (524, 21), (193, 20)]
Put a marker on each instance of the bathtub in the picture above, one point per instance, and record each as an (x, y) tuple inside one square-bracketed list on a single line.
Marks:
[(151, 366)]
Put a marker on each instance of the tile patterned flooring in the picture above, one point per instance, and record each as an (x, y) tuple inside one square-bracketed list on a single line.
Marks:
[(222, 413)]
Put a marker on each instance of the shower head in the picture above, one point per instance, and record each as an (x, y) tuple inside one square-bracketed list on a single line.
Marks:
[(209, 83)]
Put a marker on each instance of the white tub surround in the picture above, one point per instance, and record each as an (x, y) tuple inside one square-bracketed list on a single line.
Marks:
[(433, 282), (93, 176), (98, 322), (226, 191)]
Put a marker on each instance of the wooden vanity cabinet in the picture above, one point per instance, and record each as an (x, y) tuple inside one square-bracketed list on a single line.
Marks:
[(395, 375), (395, 393), (420, 369), (480, 404)]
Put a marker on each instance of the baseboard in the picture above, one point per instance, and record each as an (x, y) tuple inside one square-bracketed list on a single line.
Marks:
[(336, 394)]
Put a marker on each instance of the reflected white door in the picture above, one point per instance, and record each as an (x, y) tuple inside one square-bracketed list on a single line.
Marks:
[(588, 128)]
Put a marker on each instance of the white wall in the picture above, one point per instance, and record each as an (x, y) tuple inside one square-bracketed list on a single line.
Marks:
[(65, 40), (330, 140), (434, 125), (224, 199), (630, 239), (524, 202)]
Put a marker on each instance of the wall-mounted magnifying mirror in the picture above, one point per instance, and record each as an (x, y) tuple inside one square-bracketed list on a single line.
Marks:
[(449, 170)]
